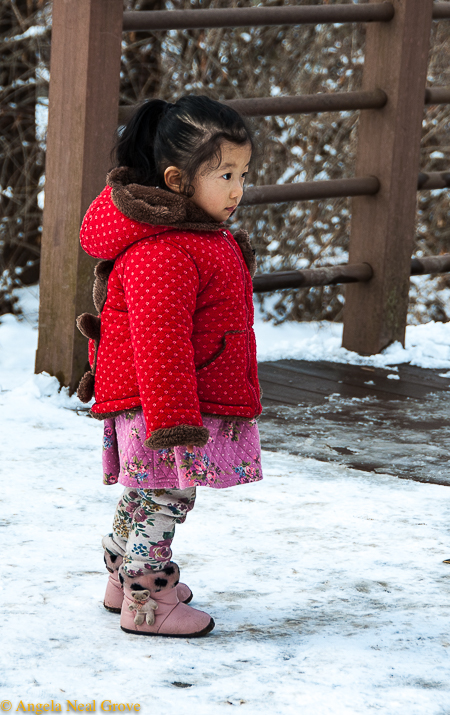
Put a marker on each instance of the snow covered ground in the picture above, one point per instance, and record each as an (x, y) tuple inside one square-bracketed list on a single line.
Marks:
[(326, 584), (426, 345)]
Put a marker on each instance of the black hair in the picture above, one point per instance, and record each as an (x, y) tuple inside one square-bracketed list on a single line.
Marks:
[(186, 134)]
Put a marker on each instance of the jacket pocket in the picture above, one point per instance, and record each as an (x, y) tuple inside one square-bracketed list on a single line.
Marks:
[(223, 381), (221, 350)]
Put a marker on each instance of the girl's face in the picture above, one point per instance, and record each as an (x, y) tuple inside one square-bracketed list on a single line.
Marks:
[(218, 191)]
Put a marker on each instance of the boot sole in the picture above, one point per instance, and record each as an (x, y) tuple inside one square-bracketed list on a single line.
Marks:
[(119, 610), (199, 634), (111, 609)]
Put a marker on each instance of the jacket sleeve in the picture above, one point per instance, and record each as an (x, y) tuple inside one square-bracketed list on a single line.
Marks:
[(161, 283)]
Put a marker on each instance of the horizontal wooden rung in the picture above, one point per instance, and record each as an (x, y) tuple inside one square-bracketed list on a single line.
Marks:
[(434, 180), (441, 11), (259, 16), (255, 16), (300, 104), (345, 273), (437, 95), (430, 264), (308, 103), (325, 102), (309, 277), (307, 190)]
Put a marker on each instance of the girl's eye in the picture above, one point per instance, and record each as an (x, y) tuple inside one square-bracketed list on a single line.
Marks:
[(226, 176), (244, 174)]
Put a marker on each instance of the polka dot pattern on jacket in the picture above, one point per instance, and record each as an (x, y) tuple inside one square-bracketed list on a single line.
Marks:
[(177, 326)]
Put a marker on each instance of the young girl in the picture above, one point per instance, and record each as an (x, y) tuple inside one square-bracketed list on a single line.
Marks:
[(174, 358)]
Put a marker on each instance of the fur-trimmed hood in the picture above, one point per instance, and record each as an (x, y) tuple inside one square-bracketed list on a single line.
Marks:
[(157, 207), (152, 212)]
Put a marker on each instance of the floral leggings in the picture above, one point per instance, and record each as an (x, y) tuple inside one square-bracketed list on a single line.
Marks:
[(144, 527)]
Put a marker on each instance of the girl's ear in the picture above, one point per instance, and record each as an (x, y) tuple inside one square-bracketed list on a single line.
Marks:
[(172, 177)]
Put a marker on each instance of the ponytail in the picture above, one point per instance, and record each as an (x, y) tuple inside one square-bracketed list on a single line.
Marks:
[(135, 145)]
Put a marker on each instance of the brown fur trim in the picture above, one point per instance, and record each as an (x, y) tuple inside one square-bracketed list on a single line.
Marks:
[(85, 390), (102, 272), (89, 326), (148, 204), (99, 294), (243, 241), (157, 207), (179, 436), (155, 581)]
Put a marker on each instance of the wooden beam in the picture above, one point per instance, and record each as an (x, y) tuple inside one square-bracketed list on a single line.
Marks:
[(441, 11), (382, 230), (301, 104), (308, 103), (309, 277), (345, 273), (255, 16), (437, 95), (84, 96), (307, 190), (434, 180)]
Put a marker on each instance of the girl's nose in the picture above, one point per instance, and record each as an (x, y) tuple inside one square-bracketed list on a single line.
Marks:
[(236, 191)]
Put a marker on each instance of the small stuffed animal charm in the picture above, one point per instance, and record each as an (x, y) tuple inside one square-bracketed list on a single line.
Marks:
[(144, 606)]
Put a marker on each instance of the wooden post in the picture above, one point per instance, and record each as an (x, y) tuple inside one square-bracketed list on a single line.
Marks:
[(83, 108), (388, 147)]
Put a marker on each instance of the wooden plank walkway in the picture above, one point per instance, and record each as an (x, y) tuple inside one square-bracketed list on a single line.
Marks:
[(392, 421)]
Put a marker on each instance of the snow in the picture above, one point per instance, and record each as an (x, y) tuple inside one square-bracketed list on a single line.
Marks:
[(326, 584), (33, 31), (426, 345)]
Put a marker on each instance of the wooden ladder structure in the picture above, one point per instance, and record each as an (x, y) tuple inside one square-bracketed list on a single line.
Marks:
[(83, 116)]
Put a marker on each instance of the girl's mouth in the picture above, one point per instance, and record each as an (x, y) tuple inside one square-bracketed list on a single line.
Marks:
[(231, 208)]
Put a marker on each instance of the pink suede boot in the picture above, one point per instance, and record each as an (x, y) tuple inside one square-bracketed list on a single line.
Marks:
[(113, 594), (151, 607), (114, 591)]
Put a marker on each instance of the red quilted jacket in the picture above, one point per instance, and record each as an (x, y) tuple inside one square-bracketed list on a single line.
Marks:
[(176, 328)]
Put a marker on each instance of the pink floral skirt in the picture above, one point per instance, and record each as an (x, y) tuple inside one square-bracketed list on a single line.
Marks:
[(232, 456)]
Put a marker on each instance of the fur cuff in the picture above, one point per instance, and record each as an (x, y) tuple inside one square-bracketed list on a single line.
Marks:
[(154, 581), (85, 391), (179, 436)]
